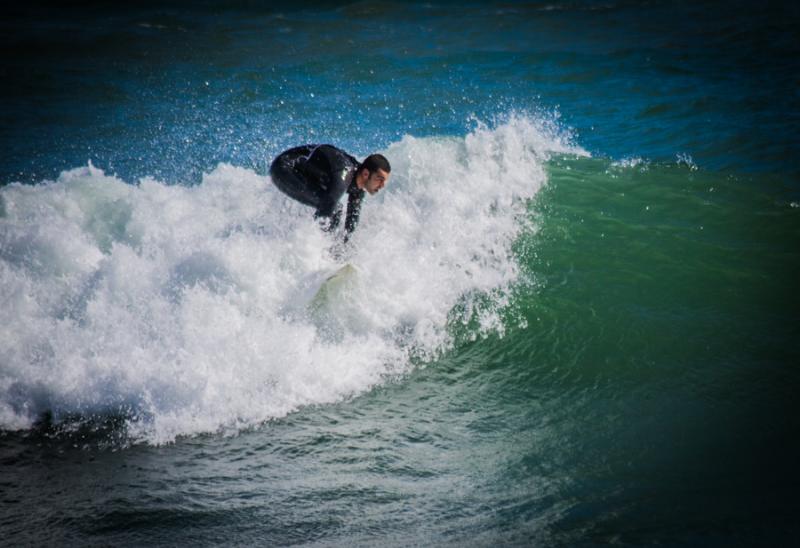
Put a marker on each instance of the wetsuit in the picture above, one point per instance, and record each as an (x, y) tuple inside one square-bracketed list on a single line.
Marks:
[(318, 176)]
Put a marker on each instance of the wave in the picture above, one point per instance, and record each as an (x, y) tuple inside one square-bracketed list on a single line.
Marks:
[(183, 309)]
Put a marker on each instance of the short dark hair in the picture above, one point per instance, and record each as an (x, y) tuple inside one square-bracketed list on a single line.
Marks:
[(374, 162)]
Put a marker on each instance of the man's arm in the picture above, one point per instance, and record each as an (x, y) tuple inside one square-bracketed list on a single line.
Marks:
[(353, 211)]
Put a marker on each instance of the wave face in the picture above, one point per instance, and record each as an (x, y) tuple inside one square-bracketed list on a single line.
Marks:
[(183, 309)]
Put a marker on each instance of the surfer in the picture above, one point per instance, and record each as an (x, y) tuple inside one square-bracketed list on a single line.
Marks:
[(319, 175)]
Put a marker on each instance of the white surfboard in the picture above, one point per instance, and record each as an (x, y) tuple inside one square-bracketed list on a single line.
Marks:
[(334, 288)]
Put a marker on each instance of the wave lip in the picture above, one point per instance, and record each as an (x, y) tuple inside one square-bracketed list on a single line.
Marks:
[(182, 309)]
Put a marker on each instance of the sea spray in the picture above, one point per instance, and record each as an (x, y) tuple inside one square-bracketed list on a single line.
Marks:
[(183, 309)]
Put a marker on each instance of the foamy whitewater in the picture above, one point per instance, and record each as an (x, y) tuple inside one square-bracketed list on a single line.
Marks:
[(184, 309)]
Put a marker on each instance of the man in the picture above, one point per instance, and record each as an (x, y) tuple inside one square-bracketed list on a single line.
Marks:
[(319, 175)]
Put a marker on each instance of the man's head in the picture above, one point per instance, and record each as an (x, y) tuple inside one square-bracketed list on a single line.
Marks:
[(373, 173)]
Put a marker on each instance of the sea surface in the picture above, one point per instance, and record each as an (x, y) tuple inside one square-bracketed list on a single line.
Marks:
[(575, 315)]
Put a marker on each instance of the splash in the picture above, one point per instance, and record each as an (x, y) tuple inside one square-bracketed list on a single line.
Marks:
[(183, 309)]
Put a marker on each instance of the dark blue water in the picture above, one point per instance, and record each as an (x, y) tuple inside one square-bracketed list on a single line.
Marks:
[(171, 92), (576, 321)]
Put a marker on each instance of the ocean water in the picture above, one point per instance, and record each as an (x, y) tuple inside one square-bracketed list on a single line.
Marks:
[(575, 319)]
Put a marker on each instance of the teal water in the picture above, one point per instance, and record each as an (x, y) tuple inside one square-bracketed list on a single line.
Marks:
[(581, 322)]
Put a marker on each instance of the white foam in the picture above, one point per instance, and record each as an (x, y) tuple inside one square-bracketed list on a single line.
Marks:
[(631, 163), (183, 307)]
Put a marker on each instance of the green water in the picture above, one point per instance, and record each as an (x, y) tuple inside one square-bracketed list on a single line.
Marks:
[(659, 358)]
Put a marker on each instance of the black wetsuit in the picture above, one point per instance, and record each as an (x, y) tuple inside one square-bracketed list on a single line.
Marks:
[(318, 176)]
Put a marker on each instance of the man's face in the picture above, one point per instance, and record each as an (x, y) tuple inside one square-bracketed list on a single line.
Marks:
[(375, 181)]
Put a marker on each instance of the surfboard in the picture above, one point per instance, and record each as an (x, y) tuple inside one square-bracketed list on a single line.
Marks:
[(334, 288)]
